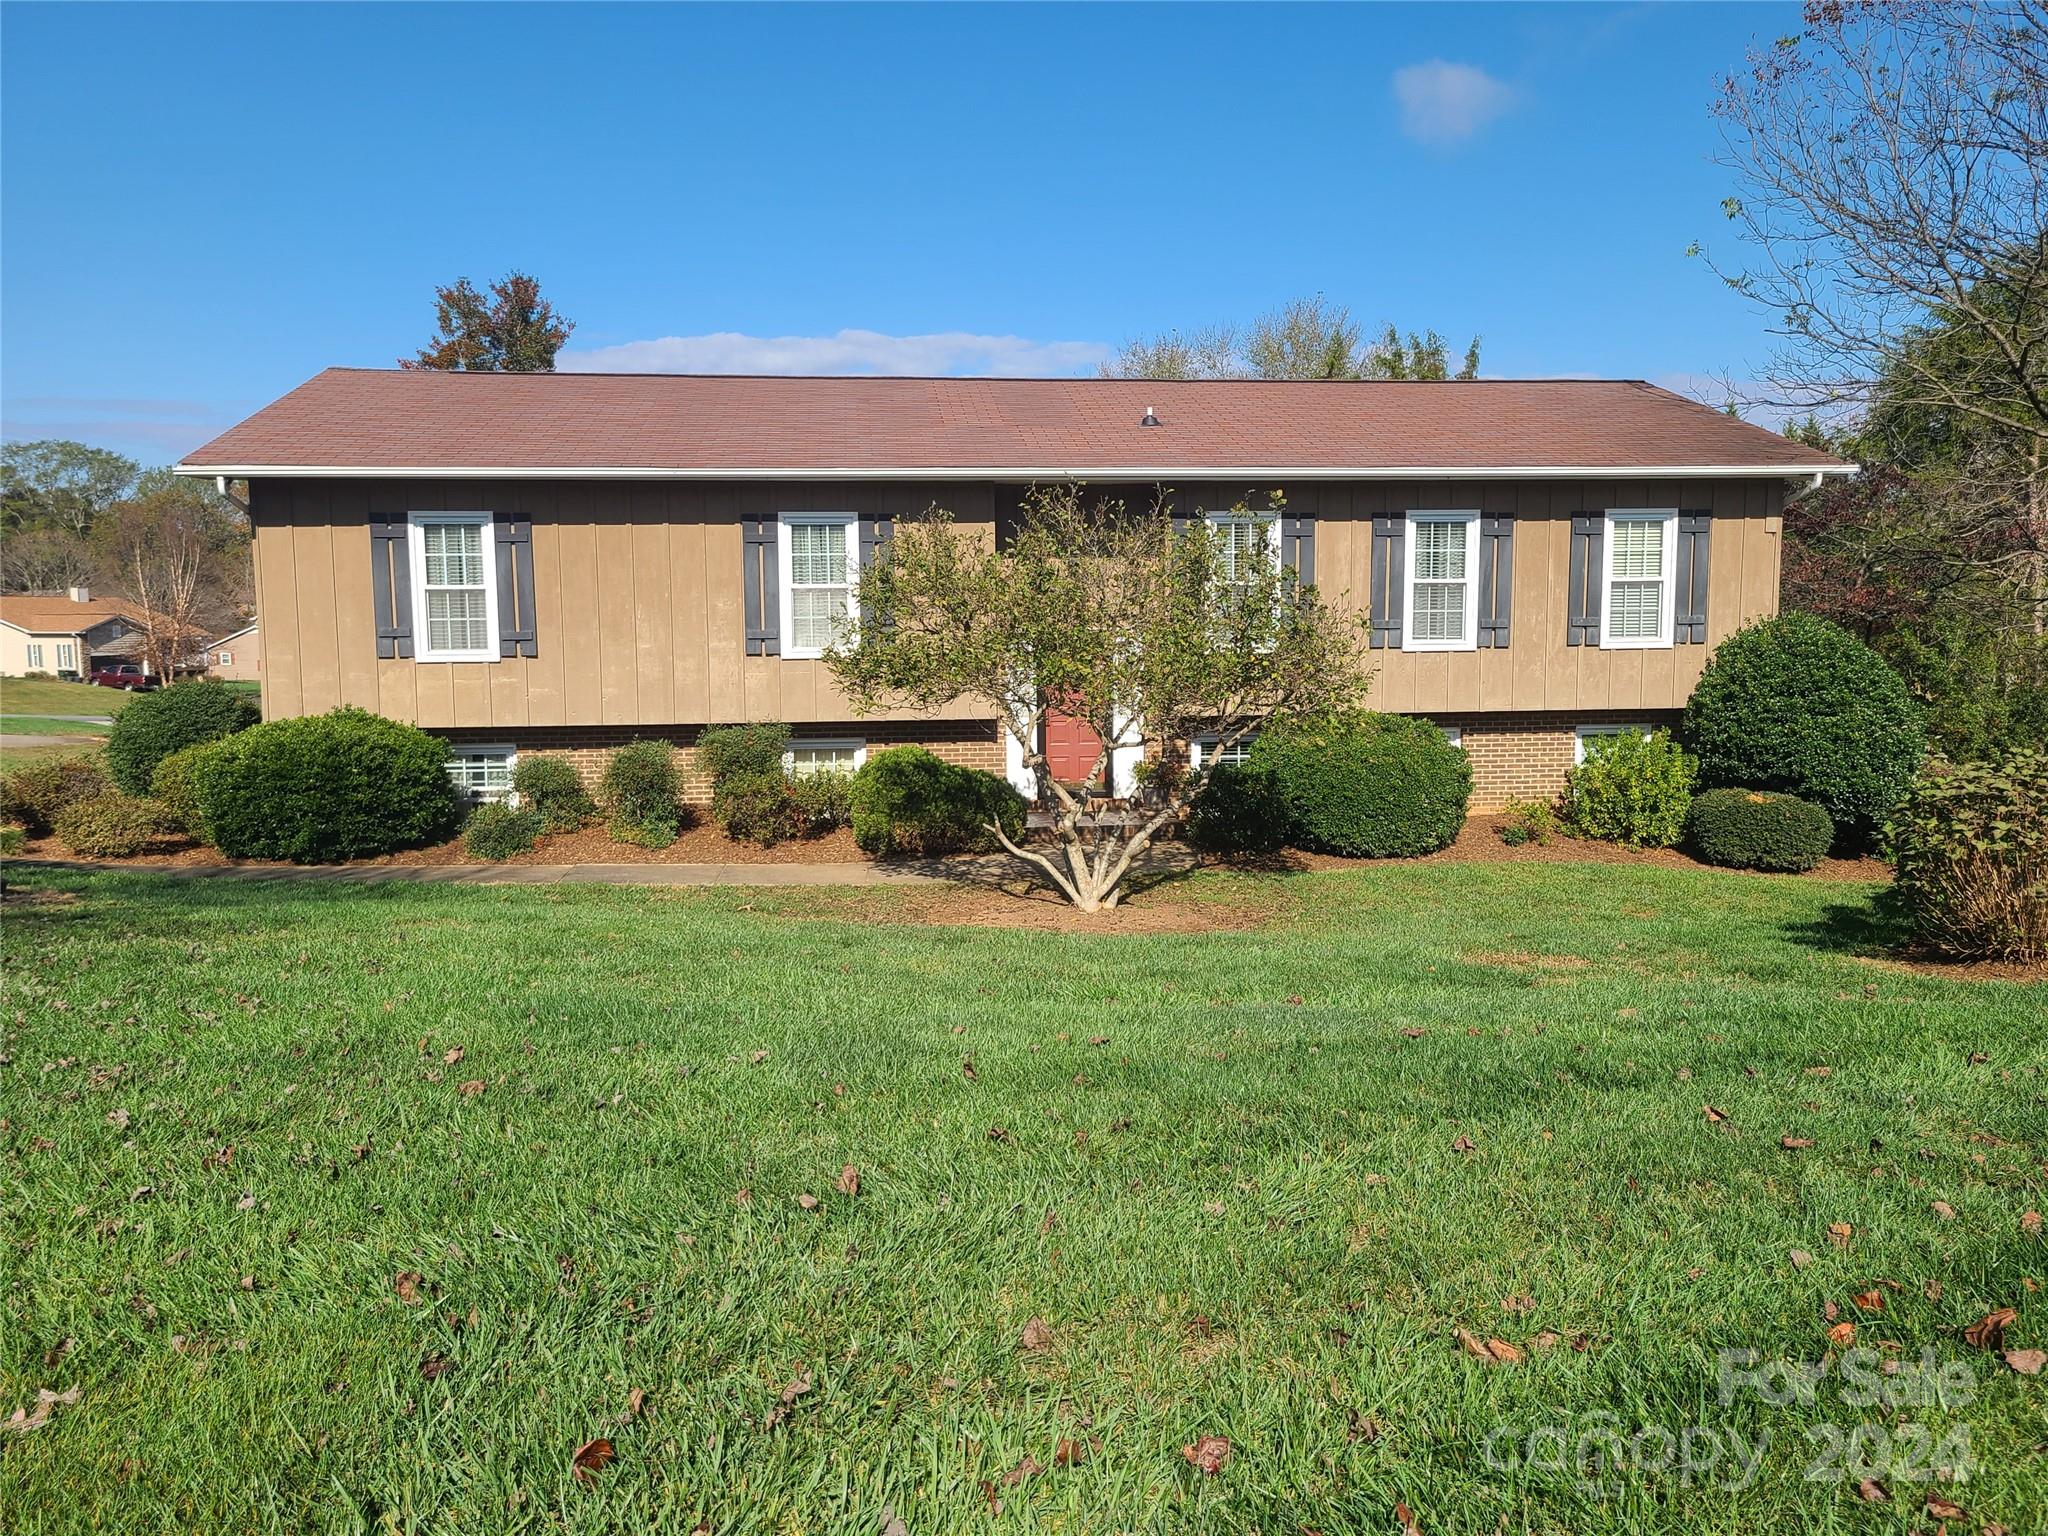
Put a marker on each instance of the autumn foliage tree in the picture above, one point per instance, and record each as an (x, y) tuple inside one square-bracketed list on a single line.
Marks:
[(514, 330), (1154, 634)]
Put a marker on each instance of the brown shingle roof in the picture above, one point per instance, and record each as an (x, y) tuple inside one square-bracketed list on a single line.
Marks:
[(388, 420), (60, 615)]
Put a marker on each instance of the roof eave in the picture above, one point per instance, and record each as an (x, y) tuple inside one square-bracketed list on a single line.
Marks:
[(1027, 474)]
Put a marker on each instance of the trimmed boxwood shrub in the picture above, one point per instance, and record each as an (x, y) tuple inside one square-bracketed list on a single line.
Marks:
[(31, 797), (737, 751), (756, 807), (1366, 785), (154, 725), (553, 790), (175, 787), (1971, 844), (114, 826), (910, 801), (496, 831), (1631, 789), (323, 788), (1238, 810), (1759, 829), (641, 793), (1800, 705)]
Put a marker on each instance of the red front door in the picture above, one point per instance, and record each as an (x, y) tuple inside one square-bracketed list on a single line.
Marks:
[(1071, 747)]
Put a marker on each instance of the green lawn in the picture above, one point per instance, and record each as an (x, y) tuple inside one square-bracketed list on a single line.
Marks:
[(1302, 1159), (33, 696), (48, 725)]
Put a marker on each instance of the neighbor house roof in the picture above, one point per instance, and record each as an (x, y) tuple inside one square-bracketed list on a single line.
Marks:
[(351, 421), (59, 615)]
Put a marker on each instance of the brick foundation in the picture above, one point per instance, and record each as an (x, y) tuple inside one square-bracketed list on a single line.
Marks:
[(1514, 756), (972, 743), (1526, 756)]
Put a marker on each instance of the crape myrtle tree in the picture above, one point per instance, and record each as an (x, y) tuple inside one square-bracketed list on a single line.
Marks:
[(1154, 631)]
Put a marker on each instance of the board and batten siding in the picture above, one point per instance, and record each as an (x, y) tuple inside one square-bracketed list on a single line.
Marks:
[(637, 587)]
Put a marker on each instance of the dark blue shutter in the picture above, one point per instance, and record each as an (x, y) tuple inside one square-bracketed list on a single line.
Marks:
[(1689, 600), (391, 582), (513, 539), (1298, 548), (761, 584), (1582, 615), (1496, 580), (875, 534), (1389, 575)]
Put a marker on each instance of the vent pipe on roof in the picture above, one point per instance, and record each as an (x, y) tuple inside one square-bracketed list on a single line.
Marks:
[(1150, 420), (81, 594)]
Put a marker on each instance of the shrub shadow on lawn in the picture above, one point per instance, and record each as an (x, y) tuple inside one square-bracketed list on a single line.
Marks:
[(1870, 927)]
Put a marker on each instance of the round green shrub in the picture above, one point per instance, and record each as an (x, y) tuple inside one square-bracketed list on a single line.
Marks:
[(641, 793), (1759, 829), (154, 725), (1631, 789), (823, 801), (910, 801), (31, 797), (757, 807), (1800, 705), (1366, 785), (1238, 810), (736, 751), (324, 788), (114, 826), (1970, 841), (175, 787), (496, 831), (553, 790)]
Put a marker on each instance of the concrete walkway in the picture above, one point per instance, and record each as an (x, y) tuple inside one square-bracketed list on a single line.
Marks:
[(22, 743), (545, 874)]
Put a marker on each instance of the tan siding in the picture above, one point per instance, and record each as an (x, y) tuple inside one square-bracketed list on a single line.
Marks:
[(637, 589)]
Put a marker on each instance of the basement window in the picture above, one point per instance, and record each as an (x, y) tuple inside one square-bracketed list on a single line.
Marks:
[(808, 757), (482, 773)]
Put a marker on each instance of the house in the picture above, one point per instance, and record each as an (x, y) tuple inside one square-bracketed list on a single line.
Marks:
[(564, 562), (237, 657), (62, 633)]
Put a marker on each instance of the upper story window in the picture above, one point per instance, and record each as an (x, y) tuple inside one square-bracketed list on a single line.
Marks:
[(1443, 594), (820, 566), (1641, 553), (454, 574), (1241, 539)]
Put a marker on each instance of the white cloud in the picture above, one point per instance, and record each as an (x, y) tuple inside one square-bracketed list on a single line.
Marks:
[(1443, 103), (957, 353)]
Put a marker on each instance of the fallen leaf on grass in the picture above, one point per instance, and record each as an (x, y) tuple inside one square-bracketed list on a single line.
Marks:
[(2031, 1222), (1944, 1210), (891, 1525), (757, 1057), (452, 1055), (1842, 1335), (1098, 1039), (1025, 1468), (1413, 1033), (1714, 1116), (849, 1180), (1361, 1427), (1869, 1301), (1208, 1455), (799, 1384), (808, 1201), (436, 1365), (118, 1119), (407, 1284), (998, 1135), (1795, 1143), (1410, 1526), (1839, 1233), (1801, 1258), (591, 1458), (25, 1419), (1071, 1453), (2027, 1362), (1464, 1144), (1871, 1491), (967, 1070), (636, 1400), (470, 1089), (1492, 1351), (1037, 1336), (1989, 1330), (1944, 1509), (1518, 1304)]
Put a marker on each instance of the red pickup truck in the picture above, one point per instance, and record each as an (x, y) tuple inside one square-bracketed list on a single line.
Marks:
[(122, 674)]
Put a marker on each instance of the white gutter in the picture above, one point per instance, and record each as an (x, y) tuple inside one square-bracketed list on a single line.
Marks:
[(1168, 473)]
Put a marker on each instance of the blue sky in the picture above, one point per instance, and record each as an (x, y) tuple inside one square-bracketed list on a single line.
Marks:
[(204, 205)]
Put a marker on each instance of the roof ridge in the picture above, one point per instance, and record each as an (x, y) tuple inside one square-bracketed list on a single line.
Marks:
[(954, 378)]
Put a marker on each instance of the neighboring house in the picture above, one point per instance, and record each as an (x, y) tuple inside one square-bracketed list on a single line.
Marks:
[(62, 633), (564, 562), (237, 658)]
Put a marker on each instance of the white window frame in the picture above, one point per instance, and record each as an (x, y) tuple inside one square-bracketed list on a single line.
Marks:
[(485, 749), (850, 523), (1202, 747), (822, 744), (1455, 735), (1409, 640), (67, 655), (1581, 733), (224, 658), (416, 550), (1661, 641), (1267, 523), (35, 656)]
